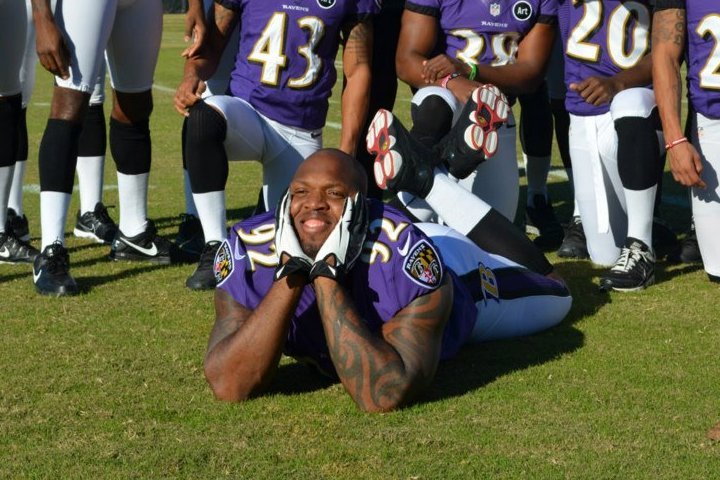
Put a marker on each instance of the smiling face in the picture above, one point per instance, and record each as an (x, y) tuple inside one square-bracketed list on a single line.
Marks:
[(319, 189)]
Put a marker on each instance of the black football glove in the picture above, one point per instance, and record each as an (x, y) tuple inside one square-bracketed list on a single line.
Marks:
[(291, 257), (344, 245)]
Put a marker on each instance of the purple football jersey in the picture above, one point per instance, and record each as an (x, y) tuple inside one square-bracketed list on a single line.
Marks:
[(285, 66), (485, 32), (399, 264), (601, 38), (703, 77)]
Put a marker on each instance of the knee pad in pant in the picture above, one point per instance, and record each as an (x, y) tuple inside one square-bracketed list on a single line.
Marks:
[(130, 146), (205, 155), (58, 155), (432, 119), (93, 141), (10, 115), (638, 155)]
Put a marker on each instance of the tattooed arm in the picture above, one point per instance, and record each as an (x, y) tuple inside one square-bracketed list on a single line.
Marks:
[(357, 61), (245, 345), (668, 39), (383, 372), (203, 62)]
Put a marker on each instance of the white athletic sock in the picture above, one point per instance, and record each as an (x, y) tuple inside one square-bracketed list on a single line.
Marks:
[(6, 178), (576, 209), (189, 201), (90, 171), (460, 209), (640, 206), (53, 214), (132, 192), (211, 211), (16, 191), (536, 172)]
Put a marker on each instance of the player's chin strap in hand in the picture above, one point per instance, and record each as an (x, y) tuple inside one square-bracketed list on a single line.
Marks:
[(344, 245), (292, 259)]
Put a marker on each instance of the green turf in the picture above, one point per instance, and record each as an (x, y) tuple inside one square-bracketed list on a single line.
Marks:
[(109, 384)]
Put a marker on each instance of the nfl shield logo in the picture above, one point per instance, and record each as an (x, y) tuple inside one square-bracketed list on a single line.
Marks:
[(494, 9)]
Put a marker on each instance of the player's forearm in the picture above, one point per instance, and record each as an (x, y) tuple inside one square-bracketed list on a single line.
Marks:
[(41, 10), (668, 45), (354, 109), (515, 79), (243, 356), (638, 76), (409, 67), (370, 369)]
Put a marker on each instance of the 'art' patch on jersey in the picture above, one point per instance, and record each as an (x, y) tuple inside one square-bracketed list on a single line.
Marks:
[(422, 265), (224, 263)]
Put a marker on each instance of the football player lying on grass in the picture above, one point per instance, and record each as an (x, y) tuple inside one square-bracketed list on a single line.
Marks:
[(351, 286)]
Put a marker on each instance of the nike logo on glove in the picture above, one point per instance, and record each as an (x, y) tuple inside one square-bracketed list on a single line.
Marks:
[(151, 252)]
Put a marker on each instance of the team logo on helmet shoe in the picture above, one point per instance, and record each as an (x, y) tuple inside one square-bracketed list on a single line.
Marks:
[(522, 10), (326, 3), (422, 265), (224, 263)]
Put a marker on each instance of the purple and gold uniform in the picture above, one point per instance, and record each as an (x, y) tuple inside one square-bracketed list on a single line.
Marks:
[(399, 264), (285, 65), (485, 32), (601, 38)]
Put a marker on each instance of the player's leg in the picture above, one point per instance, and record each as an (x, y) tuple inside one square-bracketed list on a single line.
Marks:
[(536, 129), (85, 24), (132, 52), (639, 167), (433, 111), (93, 220), (706, 202)]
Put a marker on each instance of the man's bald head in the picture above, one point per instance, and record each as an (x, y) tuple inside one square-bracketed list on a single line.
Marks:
[(338, 163)]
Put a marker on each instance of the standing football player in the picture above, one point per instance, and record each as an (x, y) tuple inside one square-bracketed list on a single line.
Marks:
[(503, 43), (70, 44), (691, 29), (278, 101), (614, 143)]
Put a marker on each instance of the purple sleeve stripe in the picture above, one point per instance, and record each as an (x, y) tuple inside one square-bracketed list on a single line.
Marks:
[(668, 4), (230, 5), (423, 9), (551, 20)]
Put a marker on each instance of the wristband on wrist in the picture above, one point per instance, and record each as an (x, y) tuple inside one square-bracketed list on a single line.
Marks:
[(680, 140), (473, 70), (445, 80)]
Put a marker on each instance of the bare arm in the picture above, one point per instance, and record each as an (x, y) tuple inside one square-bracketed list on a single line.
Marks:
[(418, 35), (245, 346), (384, 372), (668, 46), (357, 61), (51, 49), (203, 63), (195, 27)]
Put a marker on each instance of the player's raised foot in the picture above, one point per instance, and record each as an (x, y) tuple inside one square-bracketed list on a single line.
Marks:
[(190, 239), (14, 250), (146, 246), (401, 162), (540, 220), (51, 272), (203, 278), (18, 225), (474, 137), (96, 225), (634, 269), (574, 244)]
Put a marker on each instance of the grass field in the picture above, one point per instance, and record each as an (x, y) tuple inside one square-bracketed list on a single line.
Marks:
[(109, 384)]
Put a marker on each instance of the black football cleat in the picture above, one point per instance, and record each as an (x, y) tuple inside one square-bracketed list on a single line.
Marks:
[(190, 239), (146, 246), (401, 162), (17, 225), (634, 269), (574, 244), (14, 250), (51, 272), (203, 278), (474, 138), (540, 220), (689, 248), (96, 225)]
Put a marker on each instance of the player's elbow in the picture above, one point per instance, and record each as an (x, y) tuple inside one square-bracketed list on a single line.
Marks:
[(229, 386)]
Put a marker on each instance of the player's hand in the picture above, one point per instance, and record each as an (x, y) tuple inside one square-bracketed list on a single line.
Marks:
[(292, 258), (188, 93), (686, 165), (344, 245), (52, 51), (441, 66), (195, 28), (462, 88), (597, 90)]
